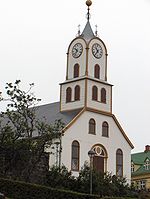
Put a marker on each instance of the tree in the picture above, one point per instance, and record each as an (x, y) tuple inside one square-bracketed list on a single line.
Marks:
[(60, 177), (23, 137)]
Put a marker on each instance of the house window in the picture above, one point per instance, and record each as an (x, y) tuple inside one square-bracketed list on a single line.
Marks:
[(105, 129), (97, 71), (132, 167), (142, 184), (139, 185), (119, 163), (103, 95), (92, 125), (76, 70), (68, 94), (75, 156), (77, 93), (147, 164), (94, 93)]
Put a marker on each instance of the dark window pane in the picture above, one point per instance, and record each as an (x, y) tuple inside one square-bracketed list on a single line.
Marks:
[(94, 93), (119, 163), (105, 129), (103, 95), (75, 156), (92, 126), (76, 70), (68, 94), (97, 71), (77, 93)]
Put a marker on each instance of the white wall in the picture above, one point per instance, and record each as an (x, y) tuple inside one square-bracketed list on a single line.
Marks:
[(97, 104), (73, 104), (79, 131), (92, 60), (81, 60)]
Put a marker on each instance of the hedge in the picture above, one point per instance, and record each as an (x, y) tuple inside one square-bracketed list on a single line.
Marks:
[(22, 190)]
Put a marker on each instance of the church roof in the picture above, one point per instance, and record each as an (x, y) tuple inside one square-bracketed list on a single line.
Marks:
[(87, 33), (51, 112)]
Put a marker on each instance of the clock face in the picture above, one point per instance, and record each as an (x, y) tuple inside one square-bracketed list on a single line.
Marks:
[(97, 51), (77, 50)]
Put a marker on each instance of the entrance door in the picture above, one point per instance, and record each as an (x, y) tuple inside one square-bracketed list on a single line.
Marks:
[(98, 163)]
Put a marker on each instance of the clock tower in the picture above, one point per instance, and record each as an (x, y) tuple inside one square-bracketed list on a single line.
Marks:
[(86, 83)]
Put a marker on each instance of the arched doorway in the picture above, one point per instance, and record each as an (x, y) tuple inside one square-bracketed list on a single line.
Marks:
[(100, 158)]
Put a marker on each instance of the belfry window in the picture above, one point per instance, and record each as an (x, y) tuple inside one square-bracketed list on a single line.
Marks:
[(77, 93), (119, 163), (92, 125), (97, 71), (76, 70), (105, 129), (68, 94), (75, 156), (103, 95), (94, 93)]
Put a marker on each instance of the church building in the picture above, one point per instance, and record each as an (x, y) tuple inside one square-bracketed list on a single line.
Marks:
[(85, 107)]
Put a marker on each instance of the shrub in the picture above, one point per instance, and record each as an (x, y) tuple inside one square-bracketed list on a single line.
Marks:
[(21, 190)]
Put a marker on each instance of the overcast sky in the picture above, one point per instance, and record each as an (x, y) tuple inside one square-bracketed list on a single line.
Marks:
[(34, 37)]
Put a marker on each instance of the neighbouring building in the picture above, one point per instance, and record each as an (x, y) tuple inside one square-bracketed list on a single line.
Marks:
[(140, 169), (85, 107)]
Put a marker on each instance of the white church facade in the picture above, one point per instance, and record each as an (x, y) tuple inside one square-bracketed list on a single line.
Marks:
[(86, 109)]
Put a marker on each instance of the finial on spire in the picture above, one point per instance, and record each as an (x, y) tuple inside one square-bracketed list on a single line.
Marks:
[(88, 3)]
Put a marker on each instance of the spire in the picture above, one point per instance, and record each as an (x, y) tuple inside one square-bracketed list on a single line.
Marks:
[(87, 33)]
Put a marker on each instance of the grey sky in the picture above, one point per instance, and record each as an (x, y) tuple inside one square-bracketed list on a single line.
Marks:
[(34, 37)]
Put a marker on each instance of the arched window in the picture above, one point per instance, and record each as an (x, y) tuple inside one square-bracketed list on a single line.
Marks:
[(92, 126), (119, 162), (68, 94), (94, 93), (97, 71), (103, 95), (76, 70), (77, 93), (75, 156), (105, 129)]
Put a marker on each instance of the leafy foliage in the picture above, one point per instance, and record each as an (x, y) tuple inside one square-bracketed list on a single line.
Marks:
[(104, 184), (60, 178), (21, 190), (20, 148)]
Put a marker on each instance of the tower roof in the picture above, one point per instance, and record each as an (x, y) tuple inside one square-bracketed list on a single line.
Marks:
[(87, 33)]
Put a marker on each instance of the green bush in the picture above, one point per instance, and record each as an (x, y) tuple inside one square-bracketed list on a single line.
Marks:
[(104, 184), (21, 190)]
